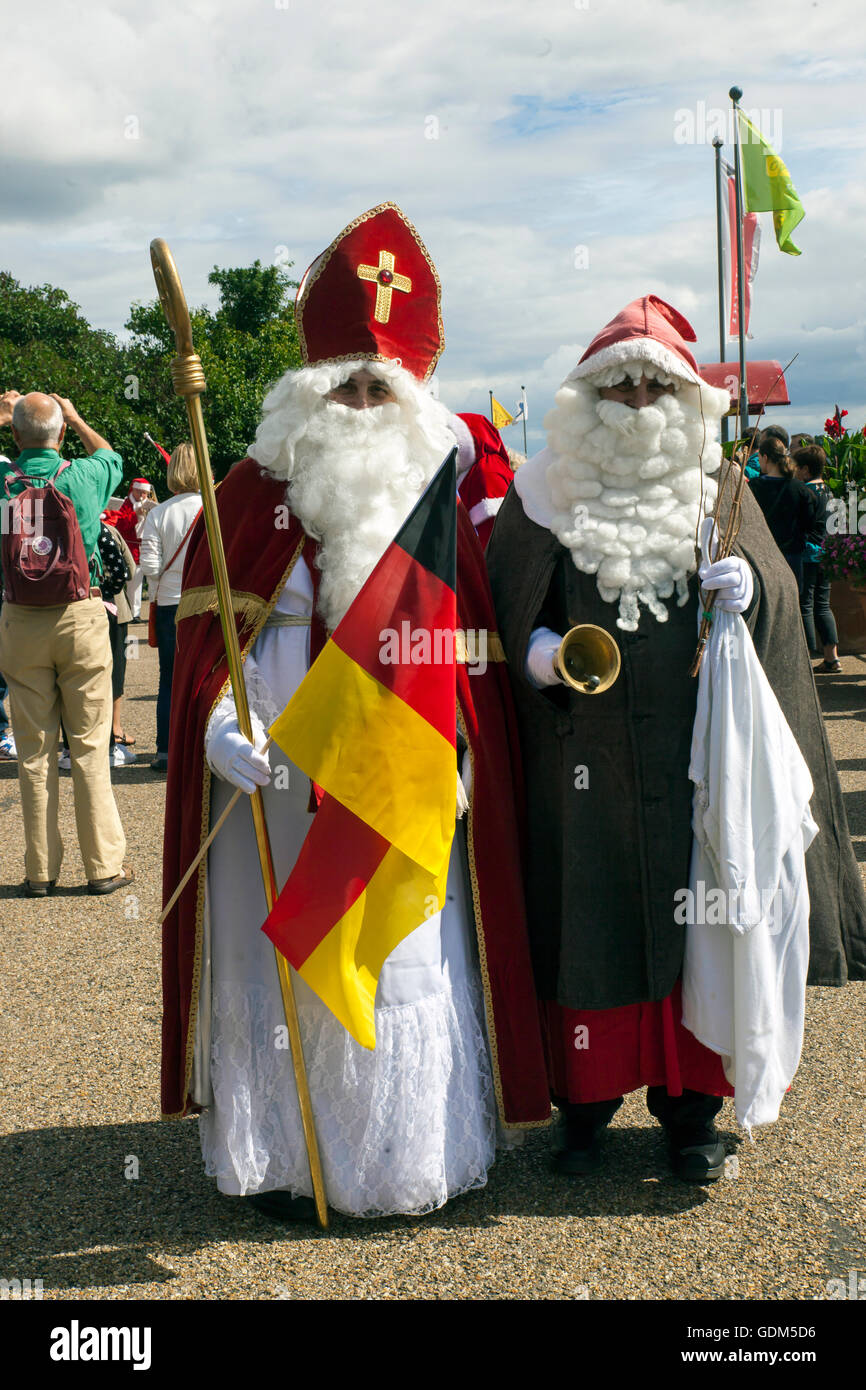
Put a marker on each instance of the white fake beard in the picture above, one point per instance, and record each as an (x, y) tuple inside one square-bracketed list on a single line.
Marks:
[(353, 485), (629, 491)]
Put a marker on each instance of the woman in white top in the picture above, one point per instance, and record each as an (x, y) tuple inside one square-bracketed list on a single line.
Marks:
[(163, 551)]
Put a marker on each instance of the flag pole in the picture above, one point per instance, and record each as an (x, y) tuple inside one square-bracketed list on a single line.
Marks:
[(732, 527), (490, 394), (523, 398), (743, 426), (188, 379), (717, 146)]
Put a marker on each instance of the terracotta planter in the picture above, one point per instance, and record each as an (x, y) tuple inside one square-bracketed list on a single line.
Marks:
[(849, 610)]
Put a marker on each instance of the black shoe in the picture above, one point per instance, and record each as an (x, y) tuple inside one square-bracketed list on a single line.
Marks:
[(160, 763), (39, 890), (697, 1153), (282, 1206), (584, 1125), (100, 886), (579, 1163)]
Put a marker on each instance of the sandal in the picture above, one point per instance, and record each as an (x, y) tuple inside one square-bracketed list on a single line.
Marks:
[(124, 741), (828, 668)]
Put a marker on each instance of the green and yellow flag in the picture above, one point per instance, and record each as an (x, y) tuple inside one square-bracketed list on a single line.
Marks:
[(500, 415), (767, 185)]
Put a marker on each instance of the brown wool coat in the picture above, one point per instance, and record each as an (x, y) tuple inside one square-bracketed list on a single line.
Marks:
[(605, 860)]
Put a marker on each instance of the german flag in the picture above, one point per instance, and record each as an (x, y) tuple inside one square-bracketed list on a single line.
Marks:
[(373, 724)]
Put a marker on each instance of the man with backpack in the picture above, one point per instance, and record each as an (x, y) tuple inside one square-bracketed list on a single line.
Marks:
[(54, 644)]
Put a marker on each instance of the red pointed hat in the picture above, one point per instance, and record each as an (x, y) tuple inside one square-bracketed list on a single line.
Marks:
[(647, 330), (374, 294)]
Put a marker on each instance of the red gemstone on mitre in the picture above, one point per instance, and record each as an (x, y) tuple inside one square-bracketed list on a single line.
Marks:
[(385, 277)]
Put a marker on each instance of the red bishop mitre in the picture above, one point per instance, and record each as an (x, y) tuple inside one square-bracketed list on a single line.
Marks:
[(647, 330), (374, 294)]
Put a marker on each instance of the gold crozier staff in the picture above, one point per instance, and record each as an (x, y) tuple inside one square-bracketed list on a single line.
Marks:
[(188, 378)]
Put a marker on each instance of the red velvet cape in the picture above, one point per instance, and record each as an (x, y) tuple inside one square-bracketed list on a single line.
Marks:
[(260, 553)]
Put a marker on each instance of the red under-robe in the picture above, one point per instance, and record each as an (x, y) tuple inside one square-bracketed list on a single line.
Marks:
[(598, 1054)]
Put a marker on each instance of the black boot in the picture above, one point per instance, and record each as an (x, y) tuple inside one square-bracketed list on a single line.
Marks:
[(583, 1126), (697, 1152), (282, 1206)]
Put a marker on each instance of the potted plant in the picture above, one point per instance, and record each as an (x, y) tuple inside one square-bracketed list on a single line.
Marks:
[(844, 556)]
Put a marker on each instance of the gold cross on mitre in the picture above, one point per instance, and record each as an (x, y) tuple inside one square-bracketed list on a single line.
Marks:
[(385, 280)]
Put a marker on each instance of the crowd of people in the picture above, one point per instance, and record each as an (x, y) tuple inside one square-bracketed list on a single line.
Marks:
[(553, 964), (786, 476)]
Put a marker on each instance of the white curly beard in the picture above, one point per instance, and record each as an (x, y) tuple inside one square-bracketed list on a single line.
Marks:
[(353, 476), (627, 490)]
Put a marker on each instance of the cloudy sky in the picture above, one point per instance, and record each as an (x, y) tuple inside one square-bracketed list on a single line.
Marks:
[(555, 156)]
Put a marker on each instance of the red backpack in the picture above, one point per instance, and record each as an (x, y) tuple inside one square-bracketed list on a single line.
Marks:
[(44, 562)]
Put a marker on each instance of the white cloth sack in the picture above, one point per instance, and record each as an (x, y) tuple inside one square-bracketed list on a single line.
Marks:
[(744, 974)]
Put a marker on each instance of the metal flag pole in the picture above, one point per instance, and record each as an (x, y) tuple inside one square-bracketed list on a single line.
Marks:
[(743, 426), (732, 528), (189, 382), (523, 398), (490, 394), (717, 146)]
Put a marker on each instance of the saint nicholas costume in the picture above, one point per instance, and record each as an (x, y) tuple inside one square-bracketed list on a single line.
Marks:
[(458, 1053)]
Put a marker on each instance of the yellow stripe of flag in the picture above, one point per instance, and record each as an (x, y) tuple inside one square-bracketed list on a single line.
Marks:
[(345, 966), (375, 754)]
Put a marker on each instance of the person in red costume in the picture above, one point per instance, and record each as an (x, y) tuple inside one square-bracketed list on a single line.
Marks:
[(345, 447), (129, 521), (486, 470)]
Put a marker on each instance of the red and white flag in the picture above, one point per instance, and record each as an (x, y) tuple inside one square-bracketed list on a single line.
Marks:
[(751, 247)]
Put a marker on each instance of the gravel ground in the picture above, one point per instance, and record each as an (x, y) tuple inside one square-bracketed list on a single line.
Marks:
[(100, 1199)]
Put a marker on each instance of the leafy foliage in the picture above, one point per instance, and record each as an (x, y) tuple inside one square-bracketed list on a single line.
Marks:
[(124, 388), (846, 453)]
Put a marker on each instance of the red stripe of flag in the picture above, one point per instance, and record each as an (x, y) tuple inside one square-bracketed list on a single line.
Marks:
[(313, 901), (398, 591)]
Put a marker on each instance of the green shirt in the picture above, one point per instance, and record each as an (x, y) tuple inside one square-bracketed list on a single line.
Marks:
[(88, 482)]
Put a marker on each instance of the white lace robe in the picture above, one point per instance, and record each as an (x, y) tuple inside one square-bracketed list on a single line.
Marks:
[(402, 1128)]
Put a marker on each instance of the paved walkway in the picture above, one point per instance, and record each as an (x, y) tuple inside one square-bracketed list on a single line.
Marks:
[(102, 1200)]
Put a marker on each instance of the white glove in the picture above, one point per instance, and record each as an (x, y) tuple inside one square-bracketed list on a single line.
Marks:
[(543, 646), (732, 580), (233, 757)]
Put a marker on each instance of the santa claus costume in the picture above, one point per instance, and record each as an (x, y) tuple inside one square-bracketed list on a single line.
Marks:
[(601, 528), (305, 518), (486, 470), (129, 521)]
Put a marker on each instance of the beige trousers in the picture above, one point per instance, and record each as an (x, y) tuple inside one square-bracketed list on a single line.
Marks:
[(57, 664)]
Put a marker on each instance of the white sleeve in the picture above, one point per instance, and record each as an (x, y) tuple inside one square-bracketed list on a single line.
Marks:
[(150, 552)]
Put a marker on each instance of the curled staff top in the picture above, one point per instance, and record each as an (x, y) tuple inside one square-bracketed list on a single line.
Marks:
[(171, 295)]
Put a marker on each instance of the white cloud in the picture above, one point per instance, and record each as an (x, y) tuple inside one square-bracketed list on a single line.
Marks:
[(232, 129)]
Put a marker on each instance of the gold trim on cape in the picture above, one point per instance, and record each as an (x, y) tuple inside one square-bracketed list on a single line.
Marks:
[(195, 602), (264, 608), (467, 655)]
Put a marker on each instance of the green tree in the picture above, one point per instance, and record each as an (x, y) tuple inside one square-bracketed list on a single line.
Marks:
[(46, 344), (124, 388), (245, 346)]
